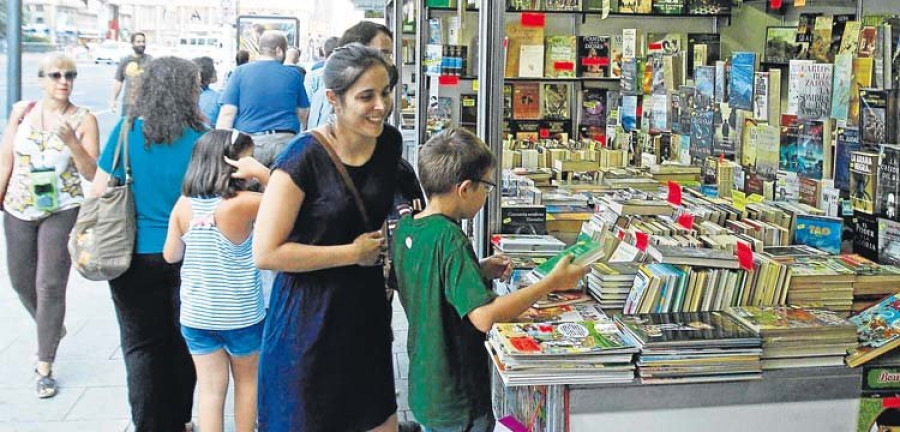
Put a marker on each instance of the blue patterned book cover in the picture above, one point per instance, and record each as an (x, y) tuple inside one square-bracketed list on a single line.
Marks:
[(743, 65), (820, 232), (847, 141), (705, 81), (811, 149), (840, 97)]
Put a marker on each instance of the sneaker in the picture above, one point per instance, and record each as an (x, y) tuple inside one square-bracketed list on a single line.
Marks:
[(46, 386)]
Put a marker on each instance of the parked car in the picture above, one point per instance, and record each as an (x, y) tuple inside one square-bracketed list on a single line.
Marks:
[(110, 52)]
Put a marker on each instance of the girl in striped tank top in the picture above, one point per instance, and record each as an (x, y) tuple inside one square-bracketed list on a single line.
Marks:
[(210, 232)]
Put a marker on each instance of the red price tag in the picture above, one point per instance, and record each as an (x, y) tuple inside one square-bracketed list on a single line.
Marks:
[(891, 402), (686, 220), (621, 234), (544, 133), (533, 20), (641, 241), (775, 4), (563, 66), (674, 197), (745, 256), (655, 46), (595, 61), (448, 80)]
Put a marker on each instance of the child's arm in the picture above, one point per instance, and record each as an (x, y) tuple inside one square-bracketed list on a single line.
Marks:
[(173, 251), (506, 308), (248, 168)]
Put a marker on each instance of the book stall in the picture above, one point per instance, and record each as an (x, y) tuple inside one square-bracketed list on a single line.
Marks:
[(729, 170)]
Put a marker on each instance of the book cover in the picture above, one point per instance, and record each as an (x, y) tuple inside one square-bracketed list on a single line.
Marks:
[(468, 109), (561, 56), (518, 36), (790, 139), (584, 251), (593, 107), (630, 43), (787, 186), (682, 327), (812, 158), (743, 65), (558, 130), (593, 56), (888, 242), (702, 134), (523, 220), (526, 101), (440, 114), (862, 78), (878, 330), (531, 61), (867, 40), (726, 132), (865, 235), (842, 78), (814, 91), (723, 76), (863, 178), (705, 82), (523, 5), (687, 95), (873, 116), (888, 191), (527, 131), (555, 101), (839, 26), (805, 24), (774, 320), (507, 101), (631, 81), (782, 45), (820, 232), (703, 49), (635, 6), (615, 56), (668, 7), (774, 95), (761, 96), (768, 142), (659, 120), (562, 5), (821, 38), (562, 338), (628, 112), (847, 141), (850, 38), (664, 43), (709, 7)]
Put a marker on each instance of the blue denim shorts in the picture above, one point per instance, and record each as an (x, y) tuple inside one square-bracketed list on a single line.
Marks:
[(239, 342)]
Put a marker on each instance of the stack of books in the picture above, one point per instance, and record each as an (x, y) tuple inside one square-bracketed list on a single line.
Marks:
[(873, 281), (610, 284), (798, 337), (821, 283), (693, 347), (876, 328), (551, 353)]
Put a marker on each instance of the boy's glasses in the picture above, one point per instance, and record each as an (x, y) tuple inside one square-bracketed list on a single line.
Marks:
[(488, 186), (69, 76)]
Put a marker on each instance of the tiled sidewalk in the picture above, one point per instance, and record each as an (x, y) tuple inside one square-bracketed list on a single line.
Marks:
[(89, 366)]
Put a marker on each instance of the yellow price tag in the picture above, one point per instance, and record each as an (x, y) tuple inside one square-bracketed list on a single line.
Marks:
[(475, 85), (739, 200), (756, 198)]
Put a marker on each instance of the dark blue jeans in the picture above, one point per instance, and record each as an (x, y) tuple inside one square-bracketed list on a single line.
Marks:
[(159, 369)]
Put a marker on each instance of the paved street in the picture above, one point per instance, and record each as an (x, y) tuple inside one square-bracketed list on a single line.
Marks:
[(89, 367)]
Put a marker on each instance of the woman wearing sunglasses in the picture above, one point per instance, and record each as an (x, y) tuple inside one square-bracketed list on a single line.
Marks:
[(48, 147)]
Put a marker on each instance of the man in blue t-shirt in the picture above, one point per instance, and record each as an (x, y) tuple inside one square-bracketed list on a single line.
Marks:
[(266, 99)]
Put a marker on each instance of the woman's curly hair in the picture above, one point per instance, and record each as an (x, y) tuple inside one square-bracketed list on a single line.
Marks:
[(167, 100)]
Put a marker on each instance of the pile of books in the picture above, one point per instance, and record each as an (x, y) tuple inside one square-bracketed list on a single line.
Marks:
[(693, 347), (553, 351), (821, 283), (610, 284), (876, 329), (798, 337)]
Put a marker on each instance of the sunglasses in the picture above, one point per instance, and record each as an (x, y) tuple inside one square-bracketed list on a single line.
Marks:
[(69, 76)]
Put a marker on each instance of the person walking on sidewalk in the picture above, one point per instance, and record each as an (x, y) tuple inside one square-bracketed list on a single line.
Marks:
[(48, 146), (129, 73), (325, 363), (167, 123), (266, 99), (211, 230)]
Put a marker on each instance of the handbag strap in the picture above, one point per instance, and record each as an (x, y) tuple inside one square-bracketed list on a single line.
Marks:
[(325, 142), (122, 144)]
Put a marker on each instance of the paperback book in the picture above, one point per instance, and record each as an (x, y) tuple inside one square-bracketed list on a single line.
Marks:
[(561, 57), (555, 101), (878, 329), (593, 56), (820, 232), (743, 65), (888, 242), (888, 192), (863, 180)]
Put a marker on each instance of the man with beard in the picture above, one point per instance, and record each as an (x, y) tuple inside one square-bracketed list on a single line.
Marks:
[(129, 71), (266, 99)]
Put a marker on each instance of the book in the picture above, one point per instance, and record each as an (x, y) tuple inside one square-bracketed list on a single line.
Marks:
[(709, 7), (761, 96), (562, 5), (668, 7), (743, 65), (519, 36), (867, 40), (723, 69), (526, 101), (593, 107), (725, 135), (531, 61), (686, 329), (555, 101), (773, 321), (840, 24), (805, 25), (888, 241), (468, 109), (635, 6), (615, 56), (865, 235), (703, 49), (888, 190), (876, 329), (863, 178), (873, 116), (813, 157), (847, 141), (517, 243), (814, 91), (702, 257), (523, 5), (562, 338), (584, 251), (628, 112), (767, 150), (820, 232), (561, 56), (664, 43), (821, 38), (507, 101), (840, 88), (796, 69), (782, 45), (705, 82), (523, 219), (850, 38), (862, 78), (790, 138), (702, 133), (593, 56)]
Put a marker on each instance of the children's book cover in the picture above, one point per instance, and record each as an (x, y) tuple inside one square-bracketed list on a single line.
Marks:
[(773, 319), (565, 338), (878, 329), (674, 327), (820, 232), (743, 65)]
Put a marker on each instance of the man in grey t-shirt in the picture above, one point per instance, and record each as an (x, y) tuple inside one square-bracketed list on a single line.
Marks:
[(129, 71)]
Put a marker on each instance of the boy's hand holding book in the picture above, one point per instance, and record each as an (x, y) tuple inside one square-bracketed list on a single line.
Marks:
[(565, 275)]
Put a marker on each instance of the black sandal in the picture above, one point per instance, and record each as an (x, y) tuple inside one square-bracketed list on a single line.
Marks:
[(46, 385)]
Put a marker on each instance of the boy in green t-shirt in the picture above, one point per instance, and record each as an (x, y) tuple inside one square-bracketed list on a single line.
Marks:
[(446, 292)]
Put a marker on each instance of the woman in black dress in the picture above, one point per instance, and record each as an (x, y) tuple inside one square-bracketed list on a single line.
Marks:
[(325, 363)]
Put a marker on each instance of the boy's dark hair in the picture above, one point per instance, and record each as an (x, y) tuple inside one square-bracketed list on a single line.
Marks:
[(329, 46), (207, 70), (209, 175), (136, 34), (363, 32), (242, 56), (348, 63), (452, 157)]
